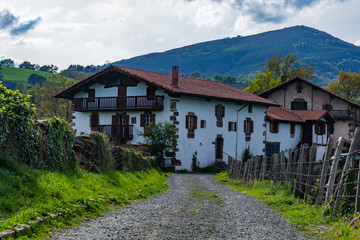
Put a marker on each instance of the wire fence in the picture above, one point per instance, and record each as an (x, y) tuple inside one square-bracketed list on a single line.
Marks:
[(332, 180)]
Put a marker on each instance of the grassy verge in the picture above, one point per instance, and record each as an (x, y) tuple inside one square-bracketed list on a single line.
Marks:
[(307, 218), (27, 193)]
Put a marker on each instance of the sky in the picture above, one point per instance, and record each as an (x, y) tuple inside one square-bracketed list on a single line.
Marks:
[(64, 32)]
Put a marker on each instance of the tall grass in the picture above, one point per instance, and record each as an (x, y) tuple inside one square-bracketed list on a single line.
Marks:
[(27, 193), (306, 217)]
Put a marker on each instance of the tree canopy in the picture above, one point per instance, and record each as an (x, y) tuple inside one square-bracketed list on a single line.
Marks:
[(7, 63), (275, 68), (262, 82), (27, 65), (347, 85), (34, 79)]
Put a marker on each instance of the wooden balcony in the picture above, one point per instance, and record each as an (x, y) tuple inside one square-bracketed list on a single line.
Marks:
[(340, 114), (117, 133), (137, 103)]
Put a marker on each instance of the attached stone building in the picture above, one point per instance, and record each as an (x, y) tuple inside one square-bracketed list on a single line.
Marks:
[(300, 94)]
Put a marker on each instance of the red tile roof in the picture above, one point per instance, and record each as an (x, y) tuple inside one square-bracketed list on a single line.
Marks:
[(266, 93), (186, 86), (300, 116)]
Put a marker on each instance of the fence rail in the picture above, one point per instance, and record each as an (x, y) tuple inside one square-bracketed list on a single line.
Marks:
[(320, 181)]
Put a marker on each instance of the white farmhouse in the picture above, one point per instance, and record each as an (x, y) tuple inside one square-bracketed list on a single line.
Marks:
[(288, 128), (211, 118)]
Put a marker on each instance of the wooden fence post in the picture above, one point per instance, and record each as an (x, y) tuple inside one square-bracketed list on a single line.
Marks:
[(282, 166), (238, 171), (309, 177), (354, 147), (333, 170), (256, 168), (263, 167), (275, 167), (299, 172), (357, 200), (324, 171), (294, 166), (289, 167), (229, 164)]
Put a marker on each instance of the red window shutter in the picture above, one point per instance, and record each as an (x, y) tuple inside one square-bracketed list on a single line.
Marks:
[(251, 126), (142, 120), (292, 129), (94, 120), (126, 119), (187, 120), (235, 127), (202, 123), (216, 110), (195, 122), (244, 125), (316, 128), (152, 118)]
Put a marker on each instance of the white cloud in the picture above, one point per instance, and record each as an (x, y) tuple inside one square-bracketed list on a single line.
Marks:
[(120, 29)]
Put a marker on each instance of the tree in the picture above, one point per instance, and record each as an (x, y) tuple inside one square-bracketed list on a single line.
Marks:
[(34, 79), (7, 63), (195, 74), (262, 82), (347, 85), (49, 68), (225, 79), (288, 66), (48, 106), (159, 138), (27, 65)]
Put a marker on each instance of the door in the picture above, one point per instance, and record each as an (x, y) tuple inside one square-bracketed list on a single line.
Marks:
[(219, 145), (271, 148), (121, 100), (307, 133)]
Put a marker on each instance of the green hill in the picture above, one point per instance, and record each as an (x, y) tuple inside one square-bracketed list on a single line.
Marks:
[(13, 75), (244, 56)]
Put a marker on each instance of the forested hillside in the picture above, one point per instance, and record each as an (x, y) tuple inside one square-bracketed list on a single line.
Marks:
[(243, 56)]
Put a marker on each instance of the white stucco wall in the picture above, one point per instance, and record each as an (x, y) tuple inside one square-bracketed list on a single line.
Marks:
[(283, 136)]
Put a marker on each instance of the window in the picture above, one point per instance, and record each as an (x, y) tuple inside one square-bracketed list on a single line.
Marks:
[(232, 126), (250, 108), (146, 119), (274, 127), (248, 128), (292, 130), (203, 124), (299, 87), (191, 124), (320, 128), (219, 114), (299, 104), (327, 107)]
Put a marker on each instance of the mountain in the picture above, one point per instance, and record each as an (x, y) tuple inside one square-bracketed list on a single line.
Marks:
[(244, 56)]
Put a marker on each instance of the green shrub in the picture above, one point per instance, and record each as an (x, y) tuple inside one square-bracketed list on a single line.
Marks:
[(102, 152), (130, 159)]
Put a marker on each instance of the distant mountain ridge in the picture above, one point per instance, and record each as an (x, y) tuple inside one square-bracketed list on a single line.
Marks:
[(244, 56)]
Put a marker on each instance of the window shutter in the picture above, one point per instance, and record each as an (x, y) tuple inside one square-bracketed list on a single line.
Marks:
[(322, 128), (244, 125), (195, 122), (305, 105), (292, 129), (317, 128), (126, 119), (292, 105), (229, 126), (216, 110), (251, 126), (202, 123), (152, 118), (223, 111), (235, 127), (142, 120), (94, 120), (187, 120)]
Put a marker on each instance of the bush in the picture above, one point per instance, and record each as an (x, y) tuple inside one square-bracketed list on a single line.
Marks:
[(130, 159), (102, 156)]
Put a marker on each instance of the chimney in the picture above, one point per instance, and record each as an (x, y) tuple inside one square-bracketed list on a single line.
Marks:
[(283, 78), (175, 76)]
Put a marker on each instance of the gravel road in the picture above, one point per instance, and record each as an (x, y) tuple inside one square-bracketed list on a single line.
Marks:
[(195, 207)]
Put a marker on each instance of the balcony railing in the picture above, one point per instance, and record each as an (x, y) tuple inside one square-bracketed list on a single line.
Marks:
[(118, 133), (340, 114), (119, 103)]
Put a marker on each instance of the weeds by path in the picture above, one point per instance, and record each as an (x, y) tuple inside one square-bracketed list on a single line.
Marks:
[(308, 218)]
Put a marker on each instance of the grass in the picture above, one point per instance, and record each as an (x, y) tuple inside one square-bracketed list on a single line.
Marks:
[(13, 74), (27, 193), (307, 218), (206, 196)]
